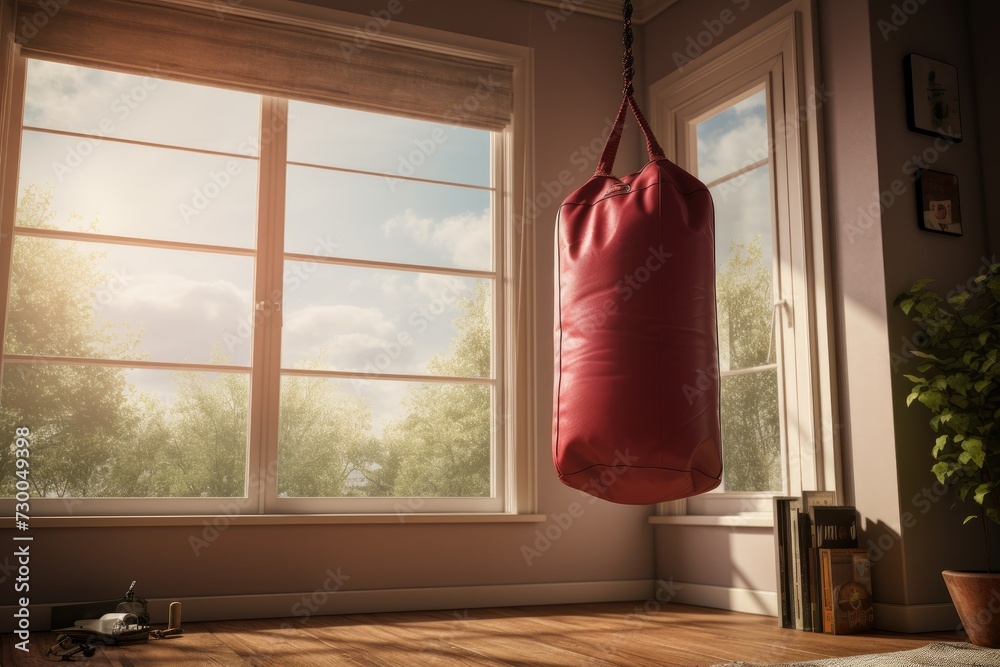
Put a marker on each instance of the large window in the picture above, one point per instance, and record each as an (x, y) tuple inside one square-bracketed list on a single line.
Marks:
[(744, 121), (216, 295)]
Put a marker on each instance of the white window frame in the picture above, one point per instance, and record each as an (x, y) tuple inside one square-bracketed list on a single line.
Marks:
[(513, 442), (776, 53)]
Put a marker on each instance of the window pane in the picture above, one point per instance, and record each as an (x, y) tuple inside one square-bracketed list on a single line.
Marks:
[(126, 106), (751, 435), (383, 321), (141, 191), (744, 280), (118, 302), (374, 438), (374, 218), (100, 432), (733, 139), (337, 137)]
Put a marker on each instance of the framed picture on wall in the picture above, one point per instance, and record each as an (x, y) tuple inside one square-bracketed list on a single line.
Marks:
[(932, 104), (937, 199)]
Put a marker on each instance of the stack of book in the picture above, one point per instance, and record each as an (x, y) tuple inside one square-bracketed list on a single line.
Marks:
[(824, 578)]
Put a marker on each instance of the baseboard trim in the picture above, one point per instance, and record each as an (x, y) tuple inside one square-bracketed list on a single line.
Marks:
[(745, 600), (911, 618), (299, 607), (940, 617)]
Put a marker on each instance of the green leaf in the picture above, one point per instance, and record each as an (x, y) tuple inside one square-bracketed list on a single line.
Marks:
[(912, 397), (969, 518), (973, 451), (915, 380), (932, 399), (925, 355), (960, 422), (983, 337), (939, 444), (982, 384), (981, 492), (906, 304), (959, 299), (960, 382), (920, 284), (942, 471)]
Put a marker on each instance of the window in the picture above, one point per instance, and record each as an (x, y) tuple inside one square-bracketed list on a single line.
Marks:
[(227, 301), (742, 122), (733, 160)]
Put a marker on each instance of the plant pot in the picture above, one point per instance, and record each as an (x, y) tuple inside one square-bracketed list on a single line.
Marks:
[(977, 599)]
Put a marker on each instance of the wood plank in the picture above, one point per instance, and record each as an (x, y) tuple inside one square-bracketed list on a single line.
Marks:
[(401, 639), (618, 634)]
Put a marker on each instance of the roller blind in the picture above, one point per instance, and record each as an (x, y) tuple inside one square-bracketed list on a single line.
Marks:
[(326, 64)]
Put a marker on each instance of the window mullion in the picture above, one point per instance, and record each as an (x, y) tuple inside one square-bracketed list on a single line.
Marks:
[(11, 166), (265, 394)]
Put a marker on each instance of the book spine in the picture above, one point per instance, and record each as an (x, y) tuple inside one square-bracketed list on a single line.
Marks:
[(806, 572), (815, 590), (793, 515), (827, 592), (781, 561)]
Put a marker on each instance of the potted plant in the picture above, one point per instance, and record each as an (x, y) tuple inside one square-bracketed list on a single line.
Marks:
[(958, 379)]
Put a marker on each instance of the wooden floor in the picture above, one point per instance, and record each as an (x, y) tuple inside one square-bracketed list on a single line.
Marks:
[(618, 633)]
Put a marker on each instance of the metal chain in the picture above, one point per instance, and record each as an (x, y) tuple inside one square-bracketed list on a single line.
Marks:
[(627, 60)]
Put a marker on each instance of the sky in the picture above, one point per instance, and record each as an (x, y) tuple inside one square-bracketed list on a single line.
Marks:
[(728, 141), (335, 317)]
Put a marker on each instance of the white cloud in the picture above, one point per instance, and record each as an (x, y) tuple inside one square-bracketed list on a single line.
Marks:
[(465, 238), (733, 138), (170, 292), (344, 336), (445, 288), (743, 212), (322, 321), (180, 319), (65, 97), (733, 149), (751, 104), (389, 285), (133, 106)]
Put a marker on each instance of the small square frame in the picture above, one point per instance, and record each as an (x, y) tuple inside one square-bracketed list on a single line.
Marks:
[(938, 205), (932, 101)]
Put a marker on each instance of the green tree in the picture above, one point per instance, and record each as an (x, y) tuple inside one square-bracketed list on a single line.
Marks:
[(751, 437), (85, 420), (210, 424), (326, 446), (441, 445)]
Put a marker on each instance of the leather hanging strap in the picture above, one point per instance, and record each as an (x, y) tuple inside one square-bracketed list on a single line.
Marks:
[(607, 162)]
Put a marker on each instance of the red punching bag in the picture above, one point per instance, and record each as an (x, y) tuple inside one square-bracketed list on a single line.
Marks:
[(635, 332)]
